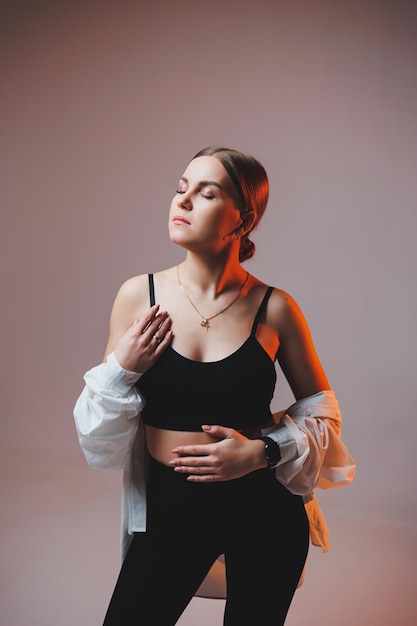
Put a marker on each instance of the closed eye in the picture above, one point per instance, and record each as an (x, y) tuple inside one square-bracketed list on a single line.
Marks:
[(208, 196)]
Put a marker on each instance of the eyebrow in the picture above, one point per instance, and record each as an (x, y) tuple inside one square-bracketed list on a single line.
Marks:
[(204, 183)]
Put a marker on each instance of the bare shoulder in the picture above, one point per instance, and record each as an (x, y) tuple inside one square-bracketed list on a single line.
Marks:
[(133, 297), (133, 294), (297, 355), (131, 302), (283, 310)]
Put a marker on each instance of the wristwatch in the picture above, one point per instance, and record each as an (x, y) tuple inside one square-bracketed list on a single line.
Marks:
[(272, 452)]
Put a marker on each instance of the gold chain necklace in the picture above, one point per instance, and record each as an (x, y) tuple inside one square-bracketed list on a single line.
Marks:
[(205, 320)]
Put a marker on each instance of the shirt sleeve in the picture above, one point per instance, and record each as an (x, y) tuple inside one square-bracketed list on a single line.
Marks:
[(312, 452), (106, 414)]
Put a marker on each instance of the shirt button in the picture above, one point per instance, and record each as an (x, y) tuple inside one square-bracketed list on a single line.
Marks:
[(308, 412)]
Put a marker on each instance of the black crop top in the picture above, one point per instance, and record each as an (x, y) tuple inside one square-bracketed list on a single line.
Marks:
[(182, 394)]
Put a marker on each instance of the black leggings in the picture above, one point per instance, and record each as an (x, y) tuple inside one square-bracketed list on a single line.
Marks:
[(259, 526)]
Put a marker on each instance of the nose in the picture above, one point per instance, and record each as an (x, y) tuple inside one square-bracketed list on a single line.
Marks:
[(184, 201)]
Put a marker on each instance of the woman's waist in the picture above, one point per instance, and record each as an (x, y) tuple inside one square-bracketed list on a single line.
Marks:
[(161, 441)]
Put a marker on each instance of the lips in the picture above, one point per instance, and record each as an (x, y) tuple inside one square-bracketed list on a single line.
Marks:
[(178, 219)]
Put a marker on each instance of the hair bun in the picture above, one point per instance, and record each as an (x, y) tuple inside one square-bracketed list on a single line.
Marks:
[(247, 248)]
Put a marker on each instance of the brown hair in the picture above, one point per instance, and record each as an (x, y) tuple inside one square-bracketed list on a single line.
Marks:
[(250, 180)]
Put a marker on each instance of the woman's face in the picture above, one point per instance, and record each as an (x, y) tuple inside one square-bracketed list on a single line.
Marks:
[(204, 210)]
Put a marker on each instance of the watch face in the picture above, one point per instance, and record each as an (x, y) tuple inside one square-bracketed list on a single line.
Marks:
[(272, 452)]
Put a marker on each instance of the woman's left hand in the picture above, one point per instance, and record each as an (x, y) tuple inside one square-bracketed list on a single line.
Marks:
[(232, 456)]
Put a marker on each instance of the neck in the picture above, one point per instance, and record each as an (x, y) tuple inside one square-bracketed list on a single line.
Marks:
[(211, 277)]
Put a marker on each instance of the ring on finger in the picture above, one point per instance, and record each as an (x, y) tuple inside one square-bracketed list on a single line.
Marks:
[(157, 338)]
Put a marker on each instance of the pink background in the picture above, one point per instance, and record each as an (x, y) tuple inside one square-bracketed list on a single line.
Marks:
[(102, 104)]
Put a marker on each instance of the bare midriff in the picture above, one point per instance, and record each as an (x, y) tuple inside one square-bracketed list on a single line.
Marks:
[(161, 442)]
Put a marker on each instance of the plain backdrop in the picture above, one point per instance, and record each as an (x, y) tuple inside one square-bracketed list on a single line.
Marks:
[(102, 105)]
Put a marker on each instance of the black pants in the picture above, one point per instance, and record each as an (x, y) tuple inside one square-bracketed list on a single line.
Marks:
[(259, 526)]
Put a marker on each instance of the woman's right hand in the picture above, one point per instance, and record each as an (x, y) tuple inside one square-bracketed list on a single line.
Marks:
[(144, 342)]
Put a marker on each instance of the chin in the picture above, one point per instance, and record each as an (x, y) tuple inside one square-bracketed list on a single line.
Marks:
[(178, 240), (177, 234)]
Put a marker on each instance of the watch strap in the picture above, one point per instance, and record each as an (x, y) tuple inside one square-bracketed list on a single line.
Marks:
[(272, 452)]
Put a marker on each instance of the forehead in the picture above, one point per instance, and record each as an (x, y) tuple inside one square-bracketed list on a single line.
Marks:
[(208, 168)]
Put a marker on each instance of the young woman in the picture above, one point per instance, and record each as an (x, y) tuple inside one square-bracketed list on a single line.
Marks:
[(182, 402)]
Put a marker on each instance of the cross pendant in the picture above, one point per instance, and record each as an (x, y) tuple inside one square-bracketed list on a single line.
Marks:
[(205, 324)]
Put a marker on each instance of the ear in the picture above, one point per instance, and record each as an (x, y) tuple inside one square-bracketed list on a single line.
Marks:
[(247, 223)]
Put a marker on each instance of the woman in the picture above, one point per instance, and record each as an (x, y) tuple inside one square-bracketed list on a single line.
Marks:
[(182, 402)]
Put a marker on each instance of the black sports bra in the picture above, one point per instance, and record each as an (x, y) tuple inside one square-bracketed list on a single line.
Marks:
[(182, 394)]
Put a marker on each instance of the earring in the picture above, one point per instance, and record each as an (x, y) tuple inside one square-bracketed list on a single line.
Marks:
[(239, 232)]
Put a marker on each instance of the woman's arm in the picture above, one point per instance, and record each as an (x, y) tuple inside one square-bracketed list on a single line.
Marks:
[(312, 452), (308, 433), (106, 409), (296, 355), (105, 414)]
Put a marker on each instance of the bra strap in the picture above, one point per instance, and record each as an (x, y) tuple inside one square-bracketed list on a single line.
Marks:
[(261, 309), (151, 289)]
